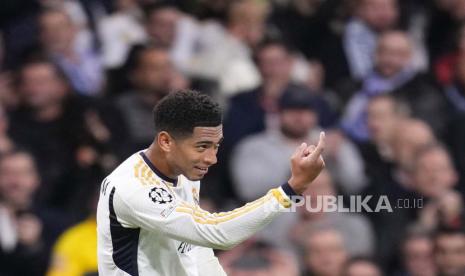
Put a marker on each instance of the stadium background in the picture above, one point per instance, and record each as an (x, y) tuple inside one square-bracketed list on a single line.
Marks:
[(384, 79)]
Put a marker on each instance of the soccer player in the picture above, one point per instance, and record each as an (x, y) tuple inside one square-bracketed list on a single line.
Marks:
[(148, 217)]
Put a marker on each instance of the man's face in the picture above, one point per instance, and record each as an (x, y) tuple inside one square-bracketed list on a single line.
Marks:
[(40, 85), (297, 123), (434, 173), (410, 136), (192, 156), (274, 63), (381, 119), (161, 26), (450, 254), (418, 257), (326, 254), (154, 71), (379, 14), (57, 32), (18, 179), (393, 54)]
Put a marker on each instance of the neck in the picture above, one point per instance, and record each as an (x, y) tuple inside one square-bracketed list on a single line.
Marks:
[(274, 88), (49, 112), (236, 32), (13, 207), (158, 159)]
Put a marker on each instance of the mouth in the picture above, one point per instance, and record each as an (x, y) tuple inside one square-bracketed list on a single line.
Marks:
[(202, 170)]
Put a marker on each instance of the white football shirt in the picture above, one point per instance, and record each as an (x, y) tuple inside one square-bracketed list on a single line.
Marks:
[(149, 224)]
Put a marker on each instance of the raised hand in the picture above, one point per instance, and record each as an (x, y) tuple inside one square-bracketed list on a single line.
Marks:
[(306, 165)]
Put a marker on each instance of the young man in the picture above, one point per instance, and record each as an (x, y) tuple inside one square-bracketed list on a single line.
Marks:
[(148, 218)]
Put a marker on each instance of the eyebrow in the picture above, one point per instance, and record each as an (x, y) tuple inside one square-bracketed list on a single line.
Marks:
[(210, 142)]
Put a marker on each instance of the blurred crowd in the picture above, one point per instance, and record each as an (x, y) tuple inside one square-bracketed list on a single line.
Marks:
[(384, 78)]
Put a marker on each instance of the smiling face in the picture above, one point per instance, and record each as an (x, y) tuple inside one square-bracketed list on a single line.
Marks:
[(194, 154)]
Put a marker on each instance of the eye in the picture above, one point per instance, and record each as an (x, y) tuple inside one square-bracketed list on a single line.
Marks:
[(201, 148)]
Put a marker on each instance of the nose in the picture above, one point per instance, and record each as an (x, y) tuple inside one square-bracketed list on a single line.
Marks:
[(210, 157)]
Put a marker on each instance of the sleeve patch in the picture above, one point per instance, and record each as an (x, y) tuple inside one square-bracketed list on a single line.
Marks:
[(160, 196)]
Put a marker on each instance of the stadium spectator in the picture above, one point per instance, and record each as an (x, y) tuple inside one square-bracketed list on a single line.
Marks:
[(417, 255), (167, 26), (392, 178), (28, 229), (81, 64), (383, 114), (356, 229), (324, 252), (255, 110), (63, 131), (434, 178), (393, 74), (370, 18), (78, 16), (119, 31), (449, 252), (406, 144), (231, 65), (150, 74)]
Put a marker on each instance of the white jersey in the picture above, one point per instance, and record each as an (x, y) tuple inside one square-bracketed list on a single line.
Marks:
[(148, 224)]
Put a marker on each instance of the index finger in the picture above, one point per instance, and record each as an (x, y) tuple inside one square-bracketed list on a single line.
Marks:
[(320, 147)]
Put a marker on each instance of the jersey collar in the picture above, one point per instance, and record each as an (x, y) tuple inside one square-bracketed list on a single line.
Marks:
[(157, 171)]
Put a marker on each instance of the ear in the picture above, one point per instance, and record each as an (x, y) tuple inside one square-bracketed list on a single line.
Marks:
[(165, 141)]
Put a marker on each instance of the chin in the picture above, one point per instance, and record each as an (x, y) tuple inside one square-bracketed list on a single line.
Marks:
[(194, 177)]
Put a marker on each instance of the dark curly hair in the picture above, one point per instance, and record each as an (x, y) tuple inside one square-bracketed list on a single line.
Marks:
[(180, 112)]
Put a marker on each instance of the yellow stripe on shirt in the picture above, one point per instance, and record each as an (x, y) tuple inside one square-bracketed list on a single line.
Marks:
[(201, 218)]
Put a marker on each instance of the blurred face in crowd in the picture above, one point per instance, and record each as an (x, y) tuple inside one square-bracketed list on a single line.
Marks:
[(362, 268), (378, 14), (18, 179), (161, 25), (434, 173), (274, 63), (41, 86), (57, 32), (297, 123), (382, 119), (418, 256), (393, 53), (410, 136), (247, 20), (153, 72), (450, 254), (325, 253)]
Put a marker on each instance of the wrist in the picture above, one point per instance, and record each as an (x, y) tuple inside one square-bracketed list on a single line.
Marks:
[(296, 188)]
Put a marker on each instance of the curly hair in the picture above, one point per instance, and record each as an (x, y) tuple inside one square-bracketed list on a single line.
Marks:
[(180, 112)]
